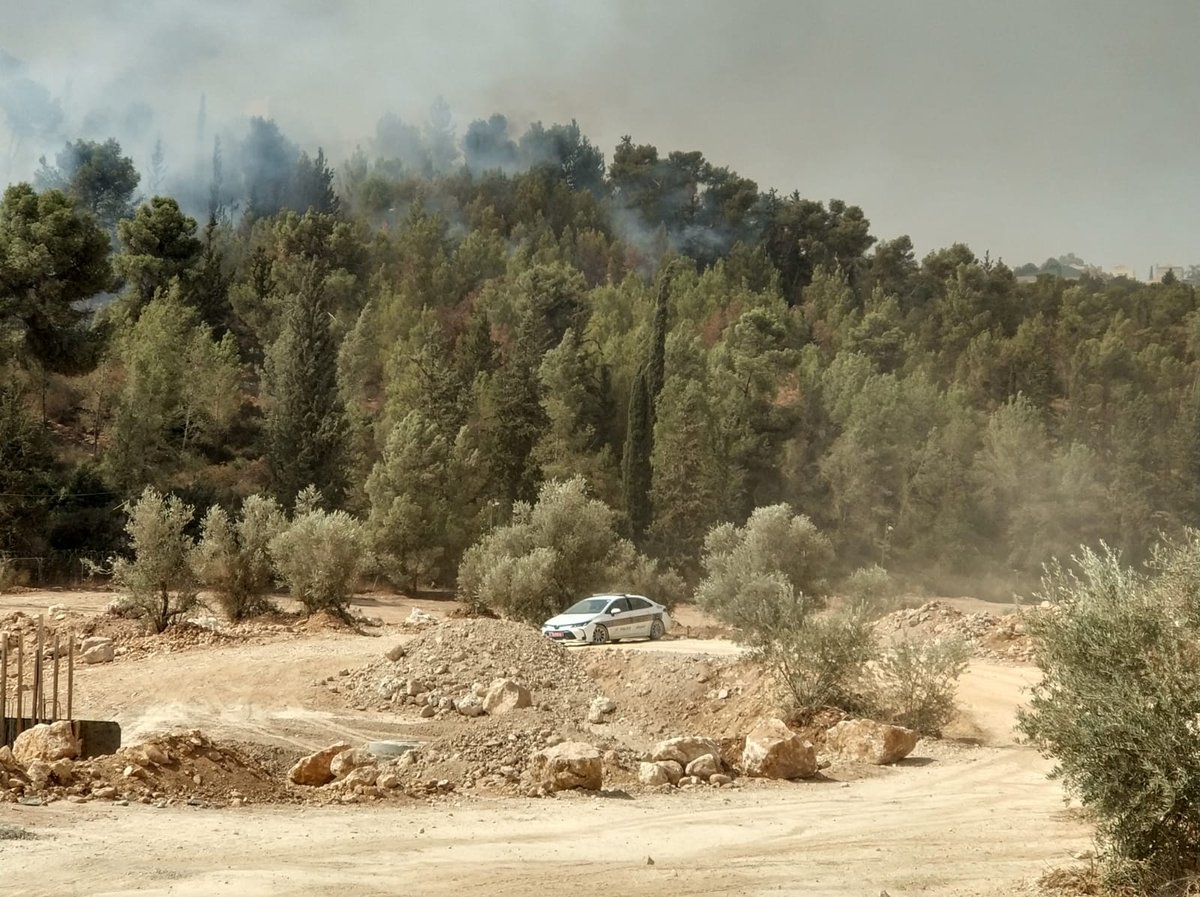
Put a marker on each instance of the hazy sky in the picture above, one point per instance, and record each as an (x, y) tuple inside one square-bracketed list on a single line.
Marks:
[(1026, 129)]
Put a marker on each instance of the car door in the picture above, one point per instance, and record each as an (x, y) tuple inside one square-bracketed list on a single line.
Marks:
[(641, 616), (620, 617)]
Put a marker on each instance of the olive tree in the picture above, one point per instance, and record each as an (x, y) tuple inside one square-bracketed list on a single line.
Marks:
[(1118, 704), (158, 578), (319, 556), (767, 579), (561, 547), (233, 558)]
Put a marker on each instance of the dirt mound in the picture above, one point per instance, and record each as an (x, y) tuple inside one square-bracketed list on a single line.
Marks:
[(659, 695), (167, 768), (458, 658), (994, 636)]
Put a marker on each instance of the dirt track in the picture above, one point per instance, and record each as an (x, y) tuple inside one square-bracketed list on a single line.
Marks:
[(955, 819)]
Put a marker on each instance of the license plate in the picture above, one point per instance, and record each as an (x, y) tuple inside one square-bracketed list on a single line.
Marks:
[(557, 634)]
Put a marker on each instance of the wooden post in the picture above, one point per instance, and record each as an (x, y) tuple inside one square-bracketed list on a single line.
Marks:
[(54, 704), (3, 686), (20, 680), (70, 672), (39, 678)]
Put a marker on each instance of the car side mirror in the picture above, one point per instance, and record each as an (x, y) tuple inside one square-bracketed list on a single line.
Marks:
[(615, 610)]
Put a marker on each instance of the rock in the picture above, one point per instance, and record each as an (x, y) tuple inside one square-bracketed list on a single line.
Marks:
[(773, 751), (867, 741), (342, 764), (415, 687), (47, 742), (599, 709), (427, 711), (394, 653), (361, 775), (703, 767), (39, 773), (469, 706), (314, 769), (572, 764), (63, 771), (504, 695), (388, 780), (719, 779), (8, 761), (97, 649), (155, 754), (653, 774), (673, 770), (685, 749), (418, 617), (105, 792)]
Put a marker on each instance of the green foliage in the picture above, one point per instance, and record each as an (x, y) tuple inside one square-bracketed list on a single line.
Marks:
[(319, 556), (97, 178), (26, 463), (306, 426), (179, 386), (561, 548), (157, 244), (233, 558), (774, 564), (821, 660), (916, 681), (937, 417), (51, 258), (872, 589), (1119, 698), (636, 459), (766, 579), (414, 515), (158, 579)]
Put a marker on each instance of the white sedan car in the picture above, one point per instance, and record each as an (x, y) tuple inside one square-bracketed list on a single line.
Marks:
[(608, 618)]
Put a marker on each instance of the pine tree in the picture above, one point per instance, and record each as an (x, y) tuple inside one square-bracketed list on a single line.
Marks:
[(306, 423)]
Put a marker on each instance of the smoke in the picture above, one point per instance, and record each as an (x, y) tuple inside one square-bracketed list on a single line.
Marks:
[(1021, 128)]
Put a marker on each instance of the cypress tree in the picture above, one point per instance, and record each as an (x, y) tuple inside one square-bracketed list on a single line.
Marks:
[(639, 435), (306, 423), (639, 445)]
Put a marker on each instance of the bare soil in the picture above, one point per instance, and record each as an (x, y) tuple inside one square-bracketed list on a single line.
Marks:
[(970, 815)]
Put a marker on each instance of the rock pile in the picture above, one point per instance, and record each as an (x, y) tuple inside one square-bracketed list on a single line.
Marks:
[(166, 769), (472, 667), (994, 636)]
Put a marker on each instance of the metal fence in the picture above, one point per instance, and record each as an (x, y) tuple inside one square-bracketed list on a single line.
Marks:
[(55, 568)]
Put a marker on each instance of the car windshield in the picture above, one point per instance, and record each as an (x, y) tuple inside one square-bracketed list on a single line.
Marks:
[(588, 606)]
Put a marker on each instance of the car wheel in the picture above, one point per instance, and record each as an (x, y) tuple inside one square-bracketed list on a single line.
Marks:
[(656, 630), (600, 635)]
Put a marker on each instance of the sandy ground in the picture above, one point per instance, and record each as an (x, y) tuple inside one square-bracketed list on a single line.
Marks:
[(974, 817)]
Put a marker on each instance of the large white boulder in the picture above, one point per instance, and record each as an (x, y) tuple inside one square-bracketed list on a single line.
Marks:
[(46, 742), (572, 764), (867, 741), (773, 751), (685, 749)]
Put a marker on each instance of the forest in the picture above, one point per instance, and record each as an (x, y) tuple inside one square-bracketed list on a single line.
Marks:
[(440, 327)]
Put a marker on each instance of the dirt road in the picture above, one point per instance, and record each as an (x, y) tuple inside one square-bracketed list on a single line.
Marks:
[(974, 825), (955, 819)]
